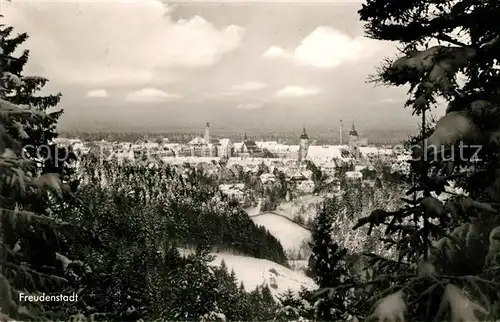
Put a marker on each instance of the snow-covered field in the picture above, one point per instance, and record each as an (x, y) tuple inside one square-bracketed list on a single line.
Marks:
[(306, 206), (291, 235), (299, 265), (253, 211), (255, 272)]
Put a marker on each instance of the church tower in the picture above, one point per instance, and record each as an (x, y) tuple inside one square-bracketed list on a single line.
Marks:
[(303, 145), (207, 133), (353, 139), (353, 136)]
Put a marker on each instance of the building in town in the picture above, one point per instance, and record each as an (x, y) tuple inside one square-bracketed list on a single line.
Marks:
[(249, 149)]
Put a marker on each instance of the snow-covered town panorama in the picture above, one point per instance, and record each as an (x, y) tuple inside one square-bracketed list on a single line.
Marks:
[(233, 161)]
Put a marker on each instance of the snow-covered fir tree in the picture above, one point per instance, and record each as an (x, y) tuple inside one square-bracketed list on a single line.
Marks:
[(327, 264), (35, 246), (444, 240)]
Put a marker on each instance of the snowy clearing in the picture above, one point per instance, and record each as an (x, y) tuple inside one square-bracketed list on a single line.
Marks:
[(255, 272), (305, 206), (291, 235)]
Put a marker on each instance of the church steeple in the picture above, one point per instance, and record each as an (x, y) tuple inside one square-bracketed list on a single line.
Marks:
[(245, 137), (207, 133), (304, 135), (303, 145), (353, 139), (353, 131)]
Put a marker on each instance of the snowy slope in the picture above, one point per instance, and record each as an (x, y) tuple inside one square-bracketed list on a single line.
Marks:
[(299, 265), (254, 272), (291, 235), (306, 206), (252, 211)]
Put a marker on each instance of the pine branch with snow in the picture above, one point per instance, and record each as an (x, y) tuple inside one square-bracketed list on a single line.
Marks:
[(29, 239), (443, 237)]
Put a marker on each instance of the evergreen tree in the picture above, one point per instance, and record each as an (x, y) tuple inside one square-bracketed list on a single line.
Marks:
[(318, 177), (445, 245), (37, 141), (295, 306), (233, 279), (327, 257), (245, 309), (199, 289), (268, 305), (228, 292), (223, 269), (255, 300), (34, 248), (230, 307), (37, 135), (327, 263), (306, 297), (290, 306)]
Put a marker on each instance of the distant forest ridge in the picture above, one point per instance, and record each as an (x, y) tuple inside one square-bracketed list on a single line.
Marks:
[(373, 137)]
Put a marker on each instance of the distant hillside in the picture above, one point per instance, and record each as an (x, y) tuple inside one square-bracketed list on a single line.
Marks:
[(394, 134)]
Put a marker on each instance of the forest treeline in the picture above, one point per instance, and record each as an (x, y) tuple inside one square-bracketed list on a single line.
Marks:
[(188, 205)]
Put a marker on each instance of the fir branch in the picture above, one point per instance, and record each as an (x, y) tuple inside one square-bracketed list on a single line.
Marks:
[(449, 39), (26, 269)]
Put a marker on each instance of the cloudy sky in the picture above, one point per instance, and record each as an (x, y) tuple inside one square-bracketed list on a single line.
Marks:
[(241, 65)]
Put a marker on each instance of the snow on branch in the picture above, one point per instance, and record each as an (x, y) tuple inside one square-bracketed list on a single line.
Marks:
[(49, 181), (438, 64), (461, 308)]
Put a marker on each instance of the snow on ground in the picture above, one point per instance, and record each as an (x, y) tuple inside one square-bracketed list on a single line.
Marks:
[(253, 211), (291, 235), (299, 265), (255, 272), (305, 206)]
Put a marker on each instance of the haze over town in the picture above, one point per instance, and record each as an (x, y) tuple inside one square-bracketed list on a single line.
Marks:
[(253, 66)]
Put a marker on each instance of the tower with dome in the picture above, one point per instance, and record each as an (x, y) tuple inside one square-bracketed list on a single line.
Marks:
[(353, 141), (303, 145), (353, 137)]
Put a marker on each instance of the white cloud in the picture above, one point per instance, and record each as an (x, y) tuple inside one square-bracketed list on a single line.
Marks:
[(249, 106), (274, 52), (115, 42), (249, 86), (150, 95), (296, 91), (326, 47), (97, 93)]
